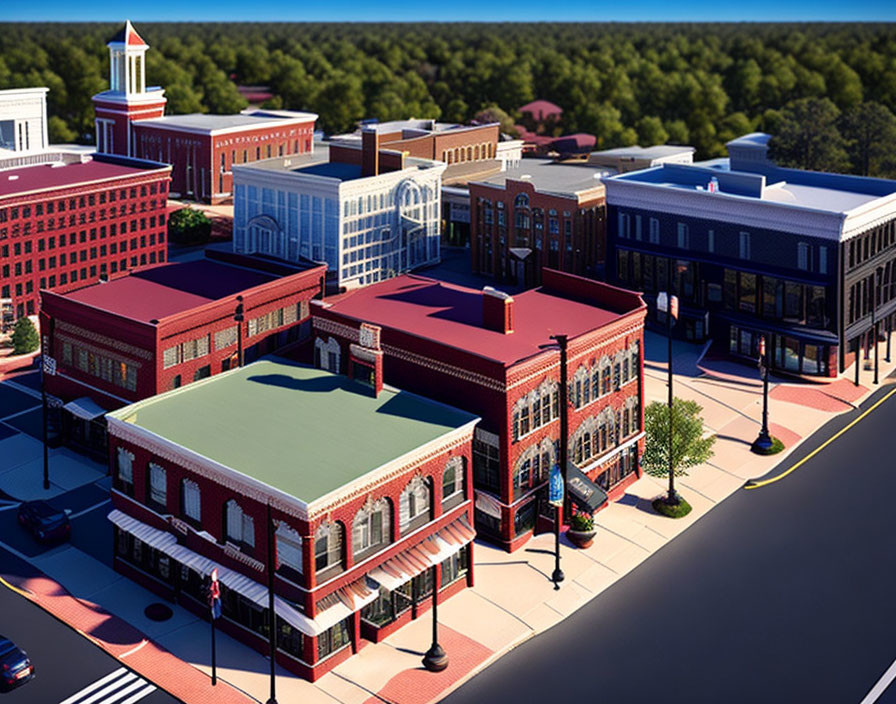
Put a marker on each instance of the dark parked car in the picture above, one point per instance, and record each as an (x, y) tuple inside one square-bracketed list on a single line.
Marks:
[(44, 522), (15, 667)]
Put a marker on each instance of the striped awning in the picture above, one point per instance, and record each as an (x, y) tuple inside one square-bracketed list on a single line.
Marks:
[(84, 408), (155, 538), (431, 551), (344, 601)]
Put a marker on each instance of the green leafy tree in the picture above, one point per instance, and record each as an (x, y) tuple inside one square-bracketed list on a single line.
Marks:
[(870, 133), (24, 337), (189, 226), (807, 137), (651, 131), (690, 446)]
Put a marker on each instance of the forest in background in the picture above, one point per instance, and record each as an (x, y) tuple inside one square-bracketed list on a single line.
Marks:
[(696, 84)]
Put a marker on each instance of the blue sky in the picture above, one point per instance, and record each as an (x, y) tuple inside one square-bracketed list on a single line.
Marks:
[(457, 10)]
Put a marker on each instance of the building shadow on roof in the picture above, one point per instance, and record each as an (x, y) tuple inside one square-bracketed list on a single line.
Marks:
[(318, 384), (447, 303)]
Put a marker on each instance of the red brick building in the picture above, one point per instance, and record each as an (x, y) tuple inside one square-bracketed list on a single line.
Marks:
[(491, 355), (163, 327), (202, 149), (248, 473), (70, 222), (540, 214)]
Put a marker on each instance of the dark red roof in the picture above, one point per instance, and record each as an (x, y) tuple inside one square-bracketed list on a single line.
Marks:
[(158, 292), (452, 315), (541, 109), (44, 176), (128, 35)]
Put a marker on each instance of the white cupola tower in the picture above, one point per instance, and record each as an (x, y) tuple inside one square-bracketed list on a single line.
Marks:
[(127, 62), (128, 100)]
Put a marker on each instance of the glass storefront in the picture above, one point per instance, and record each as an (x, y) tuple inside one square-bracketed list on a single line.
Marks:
[(785, 353)]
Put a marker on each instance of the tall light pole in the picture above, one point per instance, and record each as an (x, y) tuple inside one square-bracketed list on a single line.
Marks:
[(272, 617), (763, 444), (668, 304), (435, 659), (562, 342), (238, 317), (875, 281)]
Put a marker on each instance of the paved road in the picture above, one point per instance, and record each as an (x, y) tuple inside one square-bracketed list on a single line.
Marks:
[(781, 594), (68, 667)]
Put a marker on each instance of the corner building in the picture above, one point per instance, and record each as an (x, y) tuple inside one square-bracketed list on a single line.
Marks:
[(250, 471), (807, 259), (492, 355)]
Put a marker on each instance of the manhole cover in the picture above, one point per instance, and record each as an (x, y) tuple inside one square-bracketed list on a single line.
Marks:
[(158, 612)]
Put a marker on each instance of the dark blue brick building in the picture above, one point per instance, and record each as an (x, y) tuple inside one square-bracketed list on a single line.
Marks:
[(804, 258)]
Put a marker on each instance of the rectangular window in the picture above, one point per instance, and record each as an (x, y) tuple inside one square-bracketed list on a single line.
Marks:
[(170, 357), (823, 260), (802, 256), (654, 231), (711, 241), (744, 248), (683, 236), (125, 472), (158, 490), (226, 338), (638, 227), (192, 500)]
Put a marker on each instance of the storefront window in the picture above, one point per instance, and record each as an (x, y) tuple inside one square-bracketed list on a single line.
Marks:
[(793, 303), (289, 639), (772, 298), (747, 297), (456, 566), (730, 289), (524, 520), (789, 353), (816, 307)]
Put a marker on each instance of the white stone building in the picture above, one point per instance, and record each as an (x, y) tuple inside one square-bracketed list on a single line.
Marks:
[(368, 218)]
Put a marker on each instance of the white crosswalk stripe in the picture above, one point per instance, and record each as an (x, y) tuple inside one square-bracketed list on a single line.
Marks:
[(112, 689)]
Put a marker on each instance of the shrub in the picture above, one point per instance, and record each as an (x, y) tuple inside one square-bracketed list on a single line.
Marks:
[(676, 510), (189, 226), (24, 337)]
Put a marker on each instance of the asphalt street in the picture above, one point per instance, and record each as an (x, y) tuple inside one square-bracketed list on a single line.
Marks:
[(68, 667), (780, 594)]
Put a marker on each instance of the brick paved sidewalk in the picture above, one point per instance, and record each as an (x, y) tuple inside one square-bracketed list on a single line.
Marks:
[(127, 644)]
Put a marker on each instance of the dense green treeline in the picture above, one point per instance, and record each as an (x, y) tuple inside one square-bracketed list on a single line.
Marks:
[(682, 83)]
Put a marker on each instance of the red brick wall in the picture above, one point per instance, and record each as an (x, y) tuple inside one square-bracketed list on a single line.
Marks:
[(428, 377), (215, 495), (81, 234), (588, 222)]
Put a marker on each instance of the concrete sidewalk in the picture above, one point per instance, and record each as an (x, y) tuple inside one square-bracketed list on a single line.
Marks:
[(513, 598)]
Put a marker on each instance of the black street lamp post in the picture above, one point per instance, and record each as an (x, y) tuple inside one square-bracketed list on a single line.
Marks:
[(43, 401), (562, 342), (272, 616), (435, 659), (763, 443), (238, 317)]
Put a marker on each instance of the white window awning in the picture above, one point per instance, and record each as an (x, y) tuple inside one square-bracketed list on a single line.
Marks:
[(431, 551), (155, 538), (347, 600), (84, 408)]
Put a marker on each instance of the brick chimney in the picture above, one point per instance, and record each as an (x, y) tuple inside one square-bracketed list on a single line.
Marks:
[(370, 152), (497, 310)]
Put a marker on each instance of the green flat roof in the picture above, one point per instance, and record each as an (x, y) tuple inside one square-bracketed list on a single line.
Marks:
[(304, 431)]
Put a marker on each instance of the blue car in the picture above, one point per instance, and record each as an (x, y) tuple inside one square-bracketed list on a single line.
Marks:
[(15, 667), (45, 523)]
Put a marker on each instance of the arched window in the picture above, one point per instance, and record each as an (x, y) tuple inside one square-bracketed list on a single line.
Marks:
[(521, 201), (328, 540), (415, 503), (453, 480), (124, 480), (289, 547), (239, 527), (371, 527), (327, 355), (606, 369), (190, 500)]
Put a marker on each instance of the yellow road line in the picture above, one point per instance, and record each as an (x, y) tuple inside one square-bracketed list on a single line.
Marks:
[(14, 588), (772, 480)]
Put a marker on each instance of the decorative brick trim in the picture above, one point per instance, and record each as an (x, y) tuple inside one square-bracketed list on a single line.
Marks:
[(103, 340), (98, 350)]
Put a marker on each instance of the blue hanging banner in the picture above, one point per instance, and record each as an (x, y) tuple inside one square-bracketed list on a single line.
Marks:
[(555, 487)]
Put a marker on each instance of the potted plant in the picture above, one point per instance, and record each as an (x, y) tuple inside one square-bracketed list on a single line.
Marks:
[(581, 530)]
